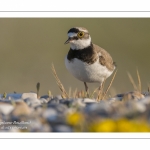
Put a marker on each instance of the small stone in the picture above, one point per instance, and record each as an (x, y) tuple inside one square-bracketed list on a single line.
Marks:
[(78, 103), (62, 128), (65, 102), (33, 102), (73, 102), (6, 108), (29, 95), (37, 126), (114, 99), (132, 108), (102, 108), (46, 128), (147, 93), (136, 95), (21, 108), (140, 107), (43, 100), (60, 108), (54, 101), (146, 100), (58, 97), (87, 100), (50, 114), (45, 97)]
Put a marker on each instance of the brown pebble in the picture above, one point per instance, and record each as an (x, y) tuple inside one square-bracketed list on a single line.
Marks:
[(21, 108), (135, 95)]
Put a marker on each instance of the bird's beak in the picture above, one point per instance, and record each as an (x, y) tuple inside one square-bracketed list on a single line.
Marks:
[(68, 41)]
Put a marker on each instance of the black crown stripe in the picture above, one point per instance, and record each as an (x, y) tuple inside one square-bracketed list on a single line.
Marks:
[(74, 30)]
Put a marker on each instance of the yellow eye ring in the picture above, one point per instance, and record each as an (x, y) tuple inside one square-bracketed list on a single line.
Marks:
[(80, 34)]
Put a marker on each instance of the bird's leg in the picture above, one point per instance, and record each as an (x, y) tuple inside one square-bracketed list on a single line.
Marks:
[(86, 89)]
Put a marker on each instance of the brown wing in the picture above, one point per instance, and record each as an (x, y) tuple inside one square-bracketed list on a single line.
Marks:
[(104, 58)]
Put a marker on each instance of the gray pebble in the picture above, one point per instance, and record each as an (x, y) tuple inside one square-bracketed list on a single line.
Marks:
[(58, 97), (45, 97), (146, 100), (50, 114), (32, 102), (43, 100), (60, 108), (62, 128), (54, 101), (102, 108)]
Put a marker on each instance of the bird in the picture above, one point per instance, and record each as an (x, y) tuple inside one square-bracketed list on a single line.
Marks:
[(87, 61)]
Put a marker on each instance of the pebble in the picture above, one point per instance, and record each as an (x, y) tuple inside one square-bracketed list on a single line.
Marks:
[(146, 100), (49, 114), (29, 95), (140, 107), (102, 108), (43, 100), (54, 101), (45, 97), (37, 126), (60, 108), (58, 97), (78, 102), (135, 95), (62, 128), (33, 102), (65, 102), (6, 108), (87, 100), (21, 108)]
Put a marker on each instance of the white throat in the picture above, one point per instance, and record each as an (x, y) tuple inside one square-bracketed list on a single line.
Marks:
[(80, 43)]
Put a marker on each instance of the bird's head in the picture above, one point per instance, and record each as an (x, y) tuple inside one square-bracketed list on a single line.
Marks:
[(79, 38)]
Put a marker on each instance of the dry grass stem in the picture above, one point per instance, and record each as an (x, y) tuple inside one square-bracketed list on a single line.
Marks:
[(60, 85), (139, 80), (38, 89), (109, 85), (92, 95), (100, 92), (83, 94), (50, 94), (75, 93), (132, 81), (4, 95), (70, 91)]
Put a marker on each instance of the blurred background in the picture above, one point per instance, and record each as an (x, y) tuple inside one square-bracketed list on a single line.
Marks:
[(28, 47)]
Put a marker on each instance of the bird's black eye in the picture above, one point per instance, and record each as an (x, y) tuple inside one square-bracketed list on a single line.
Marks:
[(80, 34)]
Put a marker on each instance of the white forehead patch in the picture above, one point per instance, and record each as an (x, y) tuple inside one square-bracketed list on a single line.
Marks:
[(72, 34), (82, 29)]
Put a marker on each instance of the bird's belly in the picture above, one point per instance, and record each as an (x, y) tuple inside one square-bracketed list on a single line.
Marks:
[(87, 72)]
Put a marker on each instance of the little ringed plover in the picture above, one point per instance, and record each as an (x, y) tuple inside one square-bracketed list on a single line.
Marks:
[(87, 61)]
